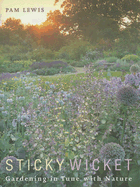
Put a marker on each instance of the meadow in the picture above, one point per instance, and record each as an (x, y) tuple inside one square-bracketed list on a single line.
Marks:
[(77, 120)]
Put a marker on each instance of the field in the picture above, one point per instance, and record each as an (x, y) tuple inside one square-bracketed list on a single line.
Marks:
[(61, 125)]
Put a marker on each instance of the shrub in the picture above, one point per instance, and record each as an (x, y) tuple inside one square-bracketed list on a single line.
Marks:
[(57, 64), (109, 53), (53, 70), (40, 53), (100, 64), (120, 65), (112, 59), (134, 68), (127, 95), (75, 50), (92, 55), (49, 64), (41, 71), (15, 66), (112, 151), (63, 55), (68, 69), (132, 57), (80, 63), (15, 164)]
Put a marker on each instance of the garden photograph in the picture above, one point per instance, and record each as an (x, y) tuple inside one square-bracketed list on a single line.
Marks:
[(70, 93)]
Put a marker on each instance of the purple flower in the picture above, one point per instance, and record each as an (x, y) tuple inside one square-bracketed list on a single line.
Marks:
[(134, 68), (8, 169), (112, 151), (127, 95)]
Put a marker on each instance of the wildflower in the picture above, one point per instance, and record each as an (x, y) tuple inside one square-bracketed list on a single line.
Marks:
[(9, 100), (118, 65), (130, 79), (1, 108), (30, 83), (35, 96), (21, 98), (23, 124), (1, 95), (28, 73), (52, 86), (4, 113), (127, 95), (27, 87), (41, 98), (134, 68), (5, 83), (25, 118), (10, 159), (14, 123), (112, 151), (44, 102), (47, 82), (36, 89)]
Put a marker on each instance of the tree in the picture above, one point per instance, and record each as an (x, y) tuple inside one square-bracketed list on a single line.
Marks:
[(12, 32), (96, 19)]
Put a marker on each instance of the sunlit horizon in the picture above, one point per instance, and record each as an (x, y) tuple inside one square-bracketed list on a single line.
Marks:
[(32, 18)]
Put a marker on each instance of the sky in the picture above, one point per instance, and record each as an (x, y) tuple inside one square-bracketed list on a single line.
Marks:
[(8, 9)]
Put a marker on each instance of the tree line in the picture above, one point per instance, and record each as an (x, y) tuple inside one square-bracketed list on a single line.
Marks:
[(96, 21)]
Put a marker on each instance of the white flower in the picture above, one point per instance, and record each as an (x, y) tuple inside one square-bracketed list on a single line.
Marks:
[(30, 83), (27, 87), (9, 100), (47, 82), (41, 98), (36, 89), (25, 118), (14, 123), (52, 86), (28, 73), (1, 108), (4, 113), (1, 95), (44, 102), (21, 98)]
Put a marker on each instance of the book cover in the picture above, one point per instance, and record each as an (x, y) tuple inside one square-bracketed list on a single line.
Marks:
[(69, 93)]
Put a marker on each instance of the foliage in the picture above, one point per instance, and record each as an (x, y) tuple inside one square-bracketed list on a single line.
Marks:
[(127, 95), (132, 57), (40, 53), (15, 66), (112, 151), (75, 50), (99, 19), (50, 122), (134, 68), (92, 55), (53, 70), (112, 59)]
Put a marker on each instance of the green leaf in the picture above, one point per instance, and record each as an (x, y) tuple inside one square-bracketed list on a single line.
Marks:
[(135, 175), (13, 138)]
